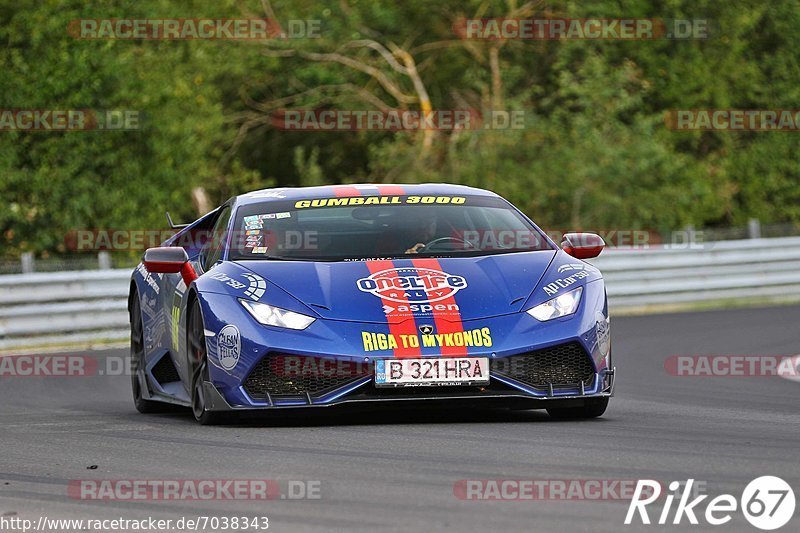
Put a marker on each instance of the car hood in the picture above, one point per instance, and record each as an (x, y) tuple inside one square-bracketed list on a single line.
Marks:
[(381, 291)]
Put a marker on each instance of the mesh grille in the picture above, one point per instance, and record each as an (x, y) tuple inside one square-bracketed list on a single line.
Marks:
[(292, 375), (565, 364), (165, 371)]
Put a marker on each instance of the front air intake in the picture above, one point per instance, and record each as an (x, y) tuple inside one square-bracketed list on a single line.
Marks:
[(300, 375), (561, 365)]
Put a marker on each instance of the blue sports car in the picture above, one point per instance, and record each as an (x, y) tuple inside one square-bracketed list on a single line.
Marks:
[(365, 295)]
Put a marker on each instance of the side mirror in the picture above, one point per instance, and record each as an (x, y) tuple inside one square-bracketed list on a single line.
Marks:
[(583, 245), (169, 260)]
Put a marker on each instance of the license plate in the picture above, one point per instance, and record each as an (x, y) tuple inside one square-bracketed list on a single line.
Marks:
[(432, 371)]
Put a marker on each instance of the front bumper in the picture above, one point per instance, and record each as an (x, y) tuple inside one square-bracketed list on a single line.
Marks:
[(512, 335), (364, 394)]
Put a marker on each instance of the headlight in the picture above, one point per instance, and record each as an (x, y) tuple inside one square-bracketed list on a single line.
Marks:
[(275, 316), (563, 305)]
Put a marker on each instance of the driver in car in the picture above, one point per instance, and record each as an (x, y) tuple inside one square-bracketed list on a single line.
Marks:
[(425, 230)]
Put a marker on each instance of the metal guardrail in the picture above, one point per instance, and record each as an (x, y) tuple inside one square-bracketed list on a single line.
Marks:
[(88, 306), (760, 269), (63, 307)]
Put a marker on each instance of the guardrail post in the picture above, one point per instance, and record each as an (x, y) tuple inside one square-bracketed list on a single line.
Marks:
[(754, 228), (691, 235), (27, 262), (104, 260)]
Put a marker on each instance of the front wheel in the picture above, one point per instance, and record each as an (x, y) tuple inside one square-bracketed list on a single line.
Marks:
[(592, 408), (199, 360)]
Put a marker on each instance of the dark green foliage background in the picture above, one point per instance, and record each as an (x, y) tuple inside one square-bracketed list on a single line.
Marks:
[(595, 152)]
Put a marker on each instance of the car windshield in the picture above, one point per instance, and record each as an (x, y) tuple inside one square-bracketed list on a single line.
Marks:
[(381, 227)]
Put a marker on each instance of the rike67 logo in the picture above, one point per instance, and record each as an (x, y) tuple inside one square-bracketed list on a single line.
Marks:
[(412, 285), (767, 502)]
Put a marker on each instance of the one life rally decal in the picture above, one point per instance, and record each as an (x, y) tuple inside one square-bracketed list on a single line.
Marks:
[(425, 282), (397, 326), (444, 326)]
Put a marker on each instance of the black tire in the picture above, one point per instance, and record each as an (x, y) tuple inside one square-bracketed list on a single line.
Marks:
[(137, 359), (198, 358), (592, 408)]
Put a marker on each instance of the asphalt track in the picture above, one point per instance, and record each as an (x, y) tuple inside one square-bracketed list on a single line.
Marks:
[(396, 471)]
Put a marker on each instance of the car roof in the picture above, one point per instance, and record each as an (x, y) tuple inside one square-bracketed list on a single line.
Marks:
[(360, 189)]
